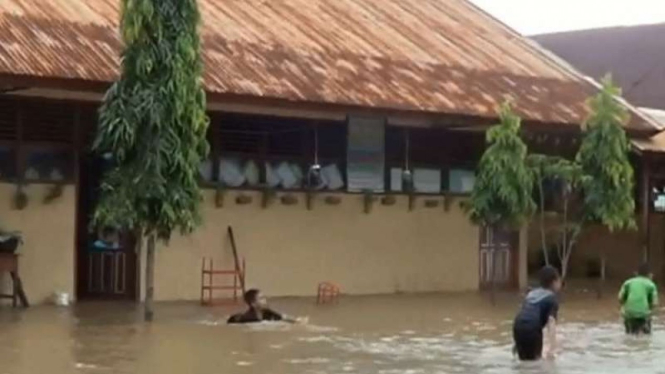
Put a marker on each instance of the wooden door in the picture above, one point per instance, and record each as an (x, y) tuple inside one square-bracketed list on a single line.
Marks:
[(101, 274), (498, 257), (111, 274)]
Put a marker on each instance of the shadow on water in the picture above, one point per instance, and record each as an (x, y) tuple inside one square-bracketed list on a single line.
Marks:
[(425, 334)]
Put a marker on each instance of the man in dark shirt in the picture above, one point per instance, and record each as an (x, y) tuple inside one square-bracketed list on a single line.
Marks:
[(538, 311), (258, 310)]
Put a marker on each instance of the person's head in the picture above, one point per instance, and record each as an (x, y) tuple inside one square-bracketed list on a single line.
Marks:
[(643, 270), (255, 299), (549, 278)]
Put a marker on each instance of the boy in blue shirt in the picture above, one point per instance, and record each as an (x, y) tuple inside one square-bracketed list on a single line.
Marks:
[(538, 313)]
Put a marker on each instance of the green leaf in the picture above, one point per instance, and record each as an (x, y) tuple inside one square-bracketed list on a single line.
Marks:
[(153, 121)]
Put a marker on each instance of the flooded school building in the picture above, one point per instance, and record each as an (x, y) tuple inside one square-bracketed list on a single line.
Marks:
[(365, 89)]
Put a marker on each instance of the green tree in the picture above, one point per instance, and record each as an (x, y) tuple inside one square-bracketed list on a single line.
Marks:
[(608, 185), (503, 192), (153, 124), (502, 196), (603, 156)]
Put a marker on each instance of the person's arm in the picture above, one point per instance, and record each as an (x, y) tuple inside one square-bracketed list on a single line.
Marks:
[(550, 335), (653, 297), (291, 319), (271, 315), (623, 293)]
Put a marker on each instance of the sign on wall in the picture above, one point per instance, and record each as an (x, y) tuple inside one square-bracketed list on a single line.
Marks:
[(365, 154)]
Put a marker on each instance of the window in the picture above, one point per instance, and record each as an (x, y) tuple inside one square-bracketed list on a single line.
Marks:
[(461, 180), (48, 165), (261, 151), (37, 140), (431, 160)]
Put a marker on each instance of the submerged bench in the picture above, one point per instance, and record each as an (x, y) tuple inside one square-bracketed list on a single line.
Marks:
[(9, 264)]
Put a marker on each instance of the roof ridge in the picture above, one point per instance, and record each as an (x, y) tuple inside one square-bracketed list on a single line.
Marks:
[(600, 29), (566, 67)]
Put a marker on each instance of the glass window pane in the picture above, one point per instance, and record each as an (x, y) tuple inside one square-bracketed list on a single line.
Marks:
[(205, 171), (238, 172), (427, 180), (49, 165), (461, 181)]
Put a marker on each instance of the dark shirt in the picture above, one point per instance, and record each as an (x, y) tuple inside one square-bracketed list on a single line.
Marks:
[(252, 316), (539, 305)]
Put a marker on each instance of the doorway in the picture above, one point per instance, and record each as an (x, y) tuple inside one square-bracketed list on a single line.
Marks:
[(499, 259), (103, 272)]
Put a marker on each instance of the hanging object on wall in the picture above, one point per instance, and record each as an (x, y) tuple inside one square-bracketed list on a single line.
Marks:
[(333, 200), (314, 179), (220, 191), (20, 198), (54, 192), (388, 200), (368, 201), (289, 199), (268, 195), (243, 199)]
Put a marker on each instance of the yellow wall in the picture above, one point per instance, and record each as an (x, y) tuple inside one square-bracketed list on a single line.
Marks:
[(290, 249), (47, 257)]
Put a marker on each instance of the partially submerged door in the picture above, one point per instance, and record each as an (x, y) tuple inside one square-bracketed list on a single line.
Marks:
[(102, 272), (498, 257)]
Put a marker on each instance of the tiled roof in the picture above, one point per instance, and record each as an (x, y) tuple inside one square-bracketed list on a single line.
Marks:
[(438, 56)]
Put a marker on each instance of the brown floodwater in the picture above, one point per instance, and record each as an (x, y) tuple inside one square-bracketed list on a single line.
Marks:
[(405, 334)]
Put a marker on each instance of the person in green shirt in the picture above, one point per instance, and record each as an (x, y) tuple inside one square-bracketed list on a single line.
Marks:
[(638, 297)]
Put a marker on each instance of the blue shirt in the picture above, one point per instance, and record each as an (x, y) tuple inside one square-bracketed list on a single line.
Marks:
[(539, 305)]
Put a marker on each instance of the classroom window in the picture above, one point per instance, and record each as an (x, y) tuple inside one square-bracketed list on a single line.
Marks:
[(277, 153), (461, 180), (44, 165)]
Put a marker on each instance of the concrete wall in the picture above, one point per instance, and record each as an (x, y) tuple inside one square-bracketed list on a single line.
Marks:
[(47, 258), (290, 249)]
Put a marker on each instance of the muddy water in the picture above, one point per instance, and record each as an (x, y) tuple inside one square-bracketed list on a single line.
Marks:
[(392, 334)]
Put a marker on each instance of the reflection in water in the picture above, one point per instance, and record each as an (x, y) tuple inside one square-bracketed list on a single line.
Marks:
[(382, 335)]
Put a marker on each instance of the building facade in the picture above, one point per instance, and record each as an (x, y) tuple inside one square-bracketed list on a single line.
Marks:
[(365, 89)]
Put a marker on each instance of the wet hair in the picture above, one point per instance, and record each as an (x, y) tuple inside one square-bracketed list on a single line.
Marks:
[(250, 296), (547, 276), (644, 270)]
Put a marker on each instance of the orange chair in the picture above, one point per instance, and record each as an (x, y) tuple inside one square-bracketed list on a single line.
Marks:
[(328, 292)]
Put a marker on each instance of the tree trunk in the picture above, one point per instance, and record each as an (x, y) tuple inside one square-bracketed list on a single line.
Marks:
[(150, 279), (493, 266), (543, 241), (567, 253), (138, 250), (601, 283), (493, 280)]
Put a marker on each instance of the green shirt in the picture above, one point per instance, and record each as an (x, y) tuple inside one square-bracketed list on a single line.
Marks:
[(638, 296)]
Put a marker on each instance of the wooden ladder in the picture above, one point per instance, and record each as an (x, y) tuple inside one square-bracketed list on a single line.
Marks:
[(213, 281), (209, 276)]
